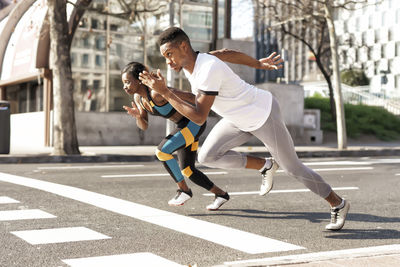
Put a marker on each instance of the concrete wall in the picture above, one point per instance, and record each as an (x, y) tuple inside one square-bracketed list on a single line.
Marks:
[(119, 129), (246, 73)]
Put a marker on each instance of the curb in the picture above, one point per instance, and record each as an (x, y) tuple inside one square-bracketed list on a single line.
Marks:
[(76, 159), (9, 159)]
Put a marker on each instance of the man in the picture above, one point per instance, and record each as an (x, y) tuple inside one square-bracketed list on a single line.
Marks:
[(246, 111)]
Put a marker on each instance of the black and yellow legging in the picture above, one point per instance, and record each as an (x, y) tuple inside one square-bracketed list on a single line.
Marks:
[(185, 140)]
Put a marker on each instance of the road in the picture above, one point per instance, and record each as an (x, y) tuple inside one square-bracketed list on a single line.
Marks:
[(117, 214)]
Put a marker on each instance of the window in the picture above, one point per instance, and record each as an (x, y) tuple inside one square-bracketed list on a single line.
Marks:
[(397, 49), (85, 60), (383, 51), (94, 23), (377, 37), (376, 68), (85, 41), (84, 85), (99, 61), (100, 42)]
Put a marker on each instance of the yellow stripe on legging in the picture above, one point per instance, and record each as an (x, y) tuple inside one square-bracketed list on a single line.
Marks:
[(195, 146), (187, 171), (163, 156), (189, 138)]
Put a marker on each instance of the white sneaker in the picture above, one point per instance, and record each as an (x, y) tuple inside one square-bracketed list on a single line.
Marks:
[(218, 202), (267, 180), (180, 198), (338, 217)]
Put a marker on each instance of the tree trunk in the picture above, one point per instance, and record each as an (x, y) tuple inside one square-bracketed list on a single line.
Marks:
[(329, 82), (340, 118), (65, 137)]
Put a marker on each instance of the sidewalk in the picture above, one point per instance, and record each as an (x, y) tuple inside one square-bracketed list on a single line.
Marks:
[(146, 153)]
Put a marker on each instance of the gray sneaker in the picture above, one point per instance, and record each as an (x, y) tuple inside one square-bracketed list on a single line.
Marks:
[(338, 217), (267, 178)]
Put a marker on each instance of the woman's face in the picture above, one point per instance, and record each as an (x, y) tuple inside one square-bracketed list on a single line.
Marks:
[(131, 85)]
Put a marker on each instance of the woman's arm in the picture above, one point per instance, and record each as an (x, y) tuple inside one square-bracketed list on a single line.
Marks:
[(138, 112), (272, 62)]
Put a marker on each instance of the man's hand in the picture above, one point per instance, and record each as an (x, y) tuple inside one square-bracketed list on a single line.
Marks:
[(272, 62), (133, 111), (155, 81)]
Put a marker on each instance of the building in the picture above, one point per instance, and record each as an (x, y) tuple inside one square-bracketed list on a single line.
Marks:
[(370, 39), (102, 44)]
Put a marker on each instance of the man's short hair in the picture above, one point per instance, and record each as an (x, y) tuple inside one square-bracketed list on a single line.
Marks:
[(173, 35)]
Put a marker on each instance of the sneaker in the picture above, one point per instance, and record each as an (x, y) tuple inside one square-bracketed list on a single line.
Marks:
[(180, 198), (218, 202), (338, 217), (267, 180)]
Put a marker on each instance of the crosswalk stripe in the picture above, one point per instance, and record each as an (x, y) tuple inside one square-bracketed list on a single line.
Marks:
[(59, 235), (281, 191), (340, 169), (89, 167), (153, 174), (7, 200), (12, 215), (222, 235), (123, 260)]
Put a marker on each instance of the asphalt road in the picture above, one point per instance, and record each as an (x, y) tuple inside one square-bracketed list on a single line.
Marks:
[(81, 211)]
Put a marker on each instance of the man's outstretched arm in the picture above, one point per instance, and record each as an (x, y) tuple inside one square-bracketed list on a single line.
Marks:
[(272, 62)]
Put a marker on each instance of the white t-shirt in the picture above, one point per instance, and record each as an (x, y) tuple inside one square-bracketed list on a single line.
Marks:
[(246, 106)]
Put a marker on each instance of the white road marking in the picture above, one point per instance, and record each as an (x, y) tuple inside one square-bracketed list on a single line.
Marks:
[(282, 191), (123, 260), (7, 200), (222, 235), (59, 235), (397, 174), (319, 256), (153, 175), (340, 169), (89, 167), (327, 163), (12, 215)]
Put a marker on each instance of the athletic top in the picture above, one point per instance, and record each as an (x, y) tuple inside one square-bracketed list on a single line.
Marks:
[(166, 110), (245, 105)]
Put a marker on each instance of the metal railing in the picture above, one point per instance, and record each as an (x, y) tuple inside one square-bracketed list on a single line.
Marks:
[(356, 95)]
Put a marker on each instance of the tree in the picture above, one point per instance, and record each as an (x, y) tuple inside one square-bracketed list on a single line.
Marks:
[(65, 136), (311, 22)]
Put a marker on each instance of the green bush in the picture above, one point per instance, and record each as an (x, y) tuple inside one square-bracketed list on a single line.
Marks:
[(354, 77), (360, 119)]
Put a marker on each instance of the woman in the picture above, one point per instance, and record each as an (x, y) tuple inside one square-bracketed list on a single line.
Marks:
[(184, 139)]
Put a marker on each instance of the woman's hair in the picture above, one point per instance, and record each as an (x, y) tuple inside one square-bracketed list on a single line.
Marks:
[(133, 68)]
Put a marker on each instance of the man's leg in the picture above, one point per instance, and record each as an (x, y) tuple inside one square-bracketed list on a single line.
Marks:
[(216, 150), (278, 141)]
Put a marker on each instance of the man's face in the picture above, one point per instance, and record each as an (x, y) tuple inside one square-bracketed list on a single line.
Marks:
[(174, 54), (130, 84)]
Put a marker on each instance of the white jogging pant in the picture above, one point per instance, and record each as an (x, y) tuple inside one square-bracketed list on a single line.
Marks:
[(216, 150)]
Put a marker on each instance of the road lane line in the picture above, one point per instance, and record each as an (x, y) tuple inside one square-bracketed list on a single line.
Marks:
[(13, 215), (89, 167), (7, 200), (123, 260), (339, 169), (327, 163), (59, 235), (281, 191), (154, 174), (319, 256), (397, 174), (222, 235)]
